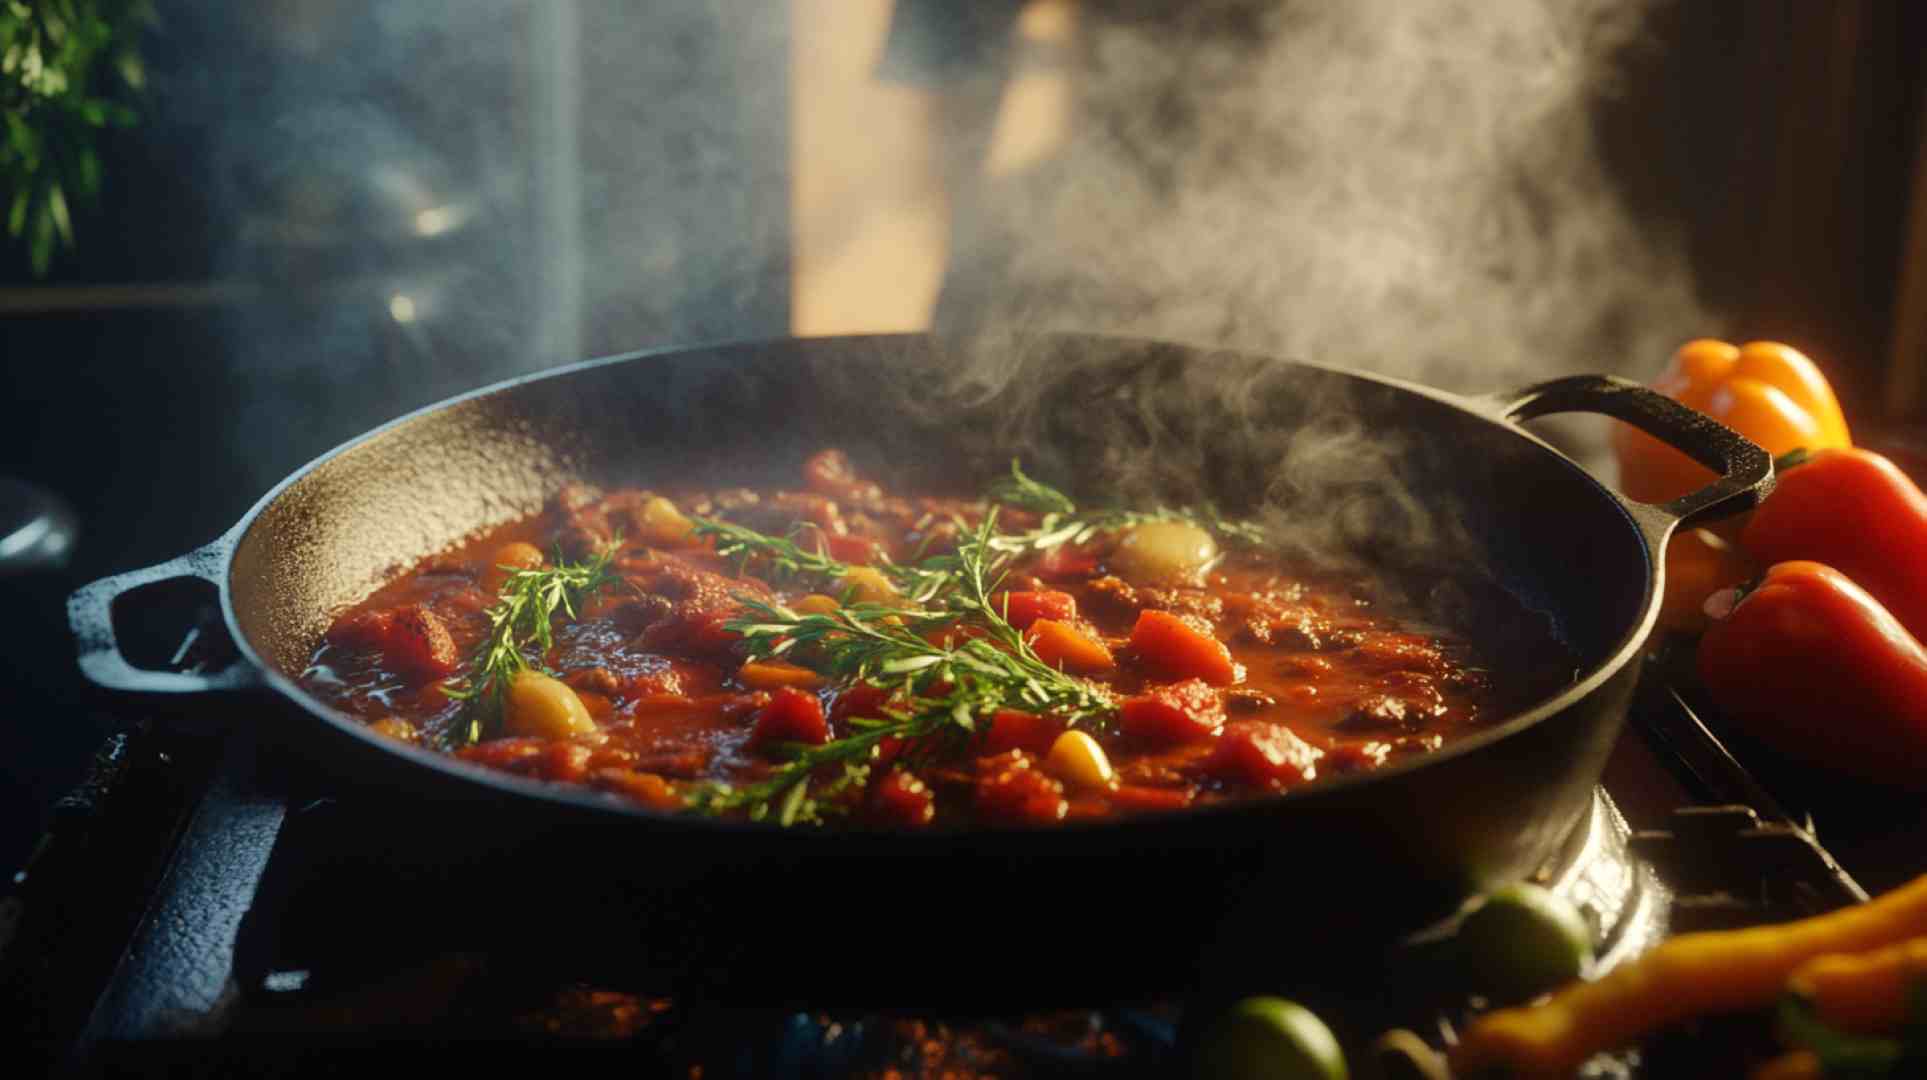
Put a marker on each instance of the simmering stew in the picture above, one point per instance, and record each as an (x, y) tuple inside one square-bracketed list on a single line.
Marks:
[(840, 654)]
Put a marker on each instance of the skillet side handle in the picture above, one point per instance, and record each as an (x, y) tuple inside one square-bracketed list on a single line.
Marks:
[(90, 612), (1746, 470)]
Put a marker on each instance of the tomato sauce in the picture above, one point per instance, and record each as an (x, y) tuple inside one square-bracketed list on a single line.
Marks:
[(1242, 677)]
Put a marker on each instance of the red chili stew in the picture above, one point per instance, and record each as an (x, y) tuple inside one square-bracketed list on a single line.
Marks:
[(1113, 662)]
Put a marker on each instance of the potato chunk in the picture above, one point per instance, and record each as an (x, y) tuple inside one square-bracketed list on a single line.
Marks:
[(1164, 553)]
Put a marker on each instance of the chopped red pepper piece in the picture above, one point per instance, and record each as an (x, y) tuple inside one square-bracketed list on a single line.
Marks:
[(1020, 609), (1013, 729), (1183, 647), (900, 798), (855, 550), (1062, 645), (1262, 755), (791, 716), (1182, 712), (1011, 792)]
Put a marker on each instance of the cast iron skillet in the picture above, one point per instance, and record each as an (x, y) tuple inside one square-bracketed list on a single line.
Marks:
[(1422, 483)]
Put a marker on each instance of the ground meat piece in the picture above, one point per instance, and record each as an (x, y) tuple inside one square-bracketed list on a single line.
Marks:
[(597, 680), (1293, 628), (936, 536), (1390, 650), (573, 498), (1196, 602), (1245, 699), (642, 612), (413, 641), (1352, 757), (1412, 709), (1112, 597), (783, 511), (830, 473)]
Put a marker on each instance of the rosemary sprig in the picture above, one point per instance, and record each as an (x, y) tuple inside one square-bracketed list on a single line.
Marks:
[(1021, 491), (1063, 523), (783, 558), (944, 687), (521, 617)]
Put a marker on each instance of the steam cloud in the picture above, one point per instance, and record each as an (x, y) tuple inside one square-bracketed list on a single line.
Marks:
[(1408, 188), (1411, 189)]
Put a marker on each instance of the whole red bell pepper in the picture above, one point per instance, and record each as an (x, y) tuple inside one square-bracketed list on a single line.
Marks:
[(1818, 669), (1858, 513)]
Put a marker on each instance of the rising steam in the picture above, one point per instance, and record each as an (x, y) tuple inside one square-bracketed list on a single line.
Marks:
[(1412, 189)]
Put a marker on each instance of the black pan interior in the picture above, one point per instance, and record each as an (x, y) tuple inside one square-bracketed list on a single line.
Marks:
[(1347, 467)]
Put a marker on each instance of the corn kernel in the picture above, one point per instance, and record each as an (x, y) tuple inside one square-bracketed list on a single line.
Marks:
[(870, 585), (394, 727), (815, 604), (660, 523), (540, 705), (517, 556), (1077, 759)]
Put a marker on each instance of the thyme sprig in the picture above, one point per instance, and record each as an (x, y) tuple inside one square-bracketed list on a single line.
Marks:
[(947, 668), (520, 621)]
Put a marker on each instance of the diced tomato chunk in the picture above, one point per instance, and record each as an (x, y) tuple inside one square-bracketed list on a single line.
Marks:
[(503, 753), (1352, 757), (413, 641), (564, 762), (829, 472), (646, 788), (1013, 729), (1183, 647), (1021, 609), (1136, 797), (862, 700), (900, 798), (1261, 755), (792, 715), (1010, 791), (1067, 562), (1182, 712), (855, 550), (1062, 645)]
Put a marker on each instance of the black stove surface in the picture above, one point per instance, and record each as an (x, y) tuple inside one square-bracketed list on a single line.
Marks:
[(203, 900)]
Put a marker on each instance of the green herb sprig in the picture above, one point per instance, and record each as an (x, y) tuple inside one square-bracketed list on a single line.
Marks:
[(1063, 523), (66, 67), (783, 559), (943, 688), (523, 617)]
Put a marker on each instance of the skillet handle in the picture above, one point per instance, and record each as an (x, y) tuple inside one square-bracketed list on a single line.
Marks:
[(1746, 470), (90, 612)]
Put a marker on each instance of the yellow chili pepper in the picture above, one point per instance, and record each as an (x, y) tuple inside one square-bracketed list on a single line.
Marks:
[(1690, 975), (1769, 392)]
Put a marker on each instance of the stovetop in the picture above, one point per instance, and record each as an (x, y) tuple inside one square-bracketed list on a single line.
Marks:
[(174, 915)]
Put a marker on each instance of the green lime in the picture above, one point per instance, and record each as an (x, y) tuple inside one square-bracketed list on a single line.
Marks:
[(1524, 940), (1268, 1038)]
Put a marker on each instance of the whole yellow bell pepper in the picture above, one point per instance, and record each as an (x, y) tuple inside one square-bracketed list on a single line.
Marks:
[(1769, 392)]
